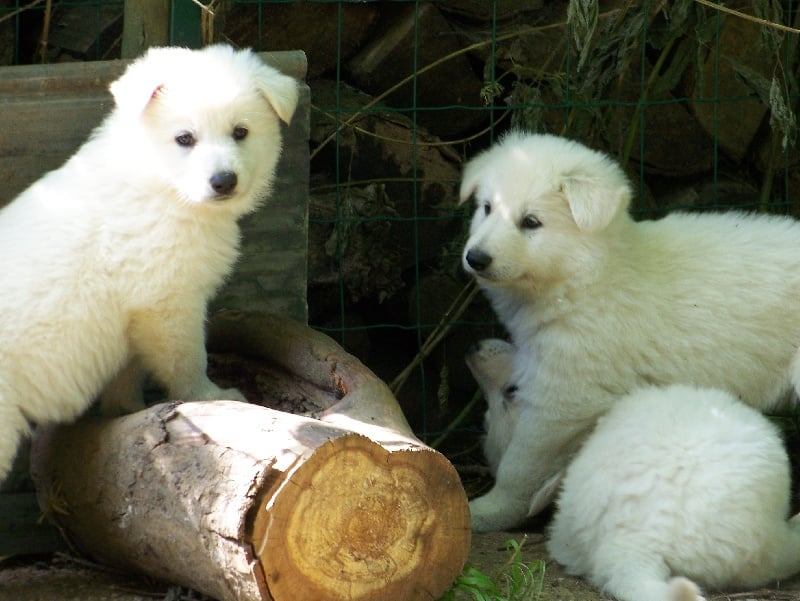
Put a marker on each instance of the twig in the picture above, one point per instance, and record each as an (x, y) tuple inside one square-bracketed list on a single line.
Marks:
[(436, 63), (747, 17), (416, 142), (20, 10), (48, 15), (87, 564), (456, 308), (462, 415), (767, 593)]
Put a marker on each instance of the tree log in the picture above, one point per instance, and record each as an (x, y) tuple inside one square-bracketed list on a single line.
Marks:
[(243, 503), (352, 393)]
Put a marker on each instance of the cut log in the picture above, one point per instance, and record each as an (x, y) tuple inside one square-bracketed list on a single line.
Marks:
[(352, 393), (244, 503)]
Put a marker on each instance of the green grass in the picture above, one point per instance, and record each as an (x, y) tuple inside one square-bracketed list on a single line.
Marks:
[(516, 580)]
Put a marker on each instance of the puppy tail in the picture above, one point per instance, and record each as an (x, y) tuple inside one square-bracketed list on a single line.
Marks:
[(786, 551), (683, 589)]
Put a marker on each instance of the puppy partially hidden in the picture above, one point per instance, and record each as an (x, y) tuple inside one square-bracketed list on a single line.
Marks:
[(107, 263), (490, 361), (599, 305), (675, 487)]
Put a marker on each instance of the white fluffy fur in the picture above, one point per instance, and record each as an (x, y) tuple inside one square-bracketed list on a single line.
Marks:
[(599, 305), (680, 482), (674, 484), (490, 362), (108, 262)]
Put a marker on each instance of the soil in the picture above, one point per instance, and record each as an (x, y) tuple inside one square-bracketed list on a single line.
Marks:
[(62, 578)]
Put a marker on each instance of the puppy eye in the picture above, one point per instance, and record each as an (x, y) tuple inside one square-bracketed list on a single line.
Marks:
[(529, 222), (487, 208), (509, 392), (185, 139), (240, 133)]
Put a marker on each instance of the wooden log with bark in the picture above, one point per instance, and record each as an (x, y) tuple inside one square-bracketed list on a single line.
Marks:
[(244, 503)]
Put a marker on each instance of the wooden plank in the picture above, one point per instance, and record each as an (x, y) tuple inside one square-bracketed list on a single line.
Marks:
[(145, 24), (47, 111)]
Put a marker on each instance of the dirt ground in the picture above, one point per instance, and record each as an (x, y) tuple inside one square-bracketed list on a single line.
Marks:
[(63, 579)]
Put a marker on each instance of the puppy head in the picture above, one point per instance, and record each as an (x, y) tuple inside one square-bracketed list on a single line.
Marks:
[(205, 123), (490, 362), (541, 203)]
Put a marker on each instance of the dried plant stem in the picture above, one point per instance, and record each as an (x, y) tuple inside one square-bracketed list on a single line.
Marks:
[(436, 63), (20, 10), (48, 14), (456, 422), (456, 309), (747, 17)]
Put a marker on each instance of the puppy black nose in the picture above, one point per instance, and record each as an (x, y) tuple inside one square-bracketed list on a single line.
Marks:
[(474, 348), (223, 182), (478, 260)]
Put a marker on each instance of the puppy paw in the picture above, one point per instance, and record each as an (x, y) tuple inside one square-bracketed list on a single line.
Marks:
[(208, 391), (232, 394), (683, 589), (493, 512), (221, 394)]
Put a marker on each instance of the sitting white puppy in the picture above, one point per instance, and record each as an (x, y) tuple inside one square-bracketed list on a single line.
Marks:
[(108, 262), (674, 484), (598, 305)]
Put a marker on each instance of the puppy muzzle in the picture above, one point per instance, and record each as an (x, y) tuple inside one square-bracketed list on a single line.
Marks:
[(223, 183), (478, 260)]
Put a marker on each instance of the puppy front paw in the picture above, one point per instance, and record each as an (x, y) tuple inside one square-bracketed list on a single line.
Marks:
[(208, 391), (232, 394), (493, 512)]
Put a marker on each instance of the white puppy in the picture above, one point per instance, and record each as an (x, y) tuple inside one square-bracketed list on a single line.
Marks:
[(679, 481), (599, 305), (108, 261), (490, 362)]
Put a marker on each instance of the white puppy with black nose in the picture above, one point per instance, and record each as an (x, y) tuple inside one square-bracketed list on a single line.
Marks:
[(598, 305), (108, 262)]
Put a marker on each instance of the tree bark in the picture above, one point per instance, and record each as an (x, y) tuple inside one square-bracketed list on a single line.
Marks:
[(245, 503), (351, 391)]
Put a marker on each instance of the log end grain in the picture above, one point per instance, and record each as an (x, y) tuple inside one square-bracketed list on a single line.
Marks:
[(359, 522)]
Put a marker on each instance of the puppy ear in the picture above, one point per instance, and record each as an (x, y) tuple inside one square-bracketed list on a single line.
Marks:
[(280, 91), (473, 172), (143, 79), (595, 199)]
